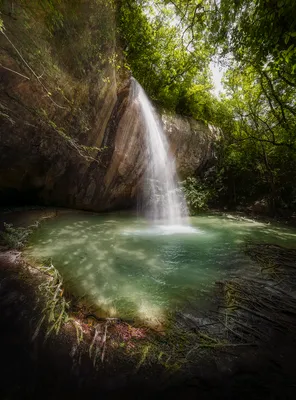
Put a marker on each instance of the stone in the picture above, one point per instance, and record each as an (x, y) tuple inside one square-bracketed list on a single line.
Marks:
[(42, 134)]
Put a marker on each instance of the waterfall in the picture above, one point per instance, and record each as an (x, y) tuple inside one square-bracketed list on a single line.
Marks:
[(165, 202)]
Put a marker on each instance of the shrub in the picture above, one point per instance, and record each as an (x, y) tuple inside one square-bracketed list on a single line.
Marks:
[(197, 195), (15, 237)]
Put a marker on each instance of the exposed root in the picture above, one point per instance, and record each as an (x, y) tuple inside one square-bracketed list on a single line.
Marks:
[(255, 311), (276, 262)]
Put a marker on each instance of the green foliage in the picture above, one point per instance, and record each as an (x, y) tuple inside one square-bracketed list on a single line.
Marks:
[(168, 47), (15, 237), (197, 195), (83, 37), (258, 33), (259, 149), (258, 155), (1, 24), (169, 44), (55, 311), (169, 60), (256, 40)]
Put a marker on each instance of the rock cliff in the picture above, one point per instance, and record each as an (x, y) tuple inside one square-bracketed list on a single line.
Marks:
[(69, 136)]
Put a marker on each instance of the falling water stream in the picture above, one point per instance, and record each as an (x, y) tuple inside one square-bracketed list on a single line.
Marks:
[(128, 268), (165, 201)]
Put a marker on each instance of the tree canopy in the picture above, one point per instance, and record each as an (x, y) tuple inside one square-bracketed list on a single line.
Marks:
[(169, 46), (171, 65)]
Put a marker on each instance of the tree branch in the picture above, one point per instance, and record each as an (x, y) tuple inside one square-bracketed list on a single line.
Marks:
[(15, 72)]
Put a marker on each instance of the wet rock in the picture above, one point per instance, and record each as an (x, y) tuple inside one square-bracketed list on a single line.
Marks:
[(86, 103)]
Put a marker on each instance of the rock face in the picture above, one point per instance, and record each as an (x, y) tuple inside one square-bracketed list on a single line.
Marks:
[(69, 135), (191, 142)]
